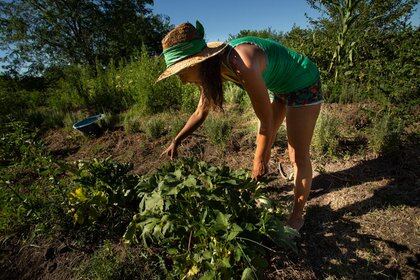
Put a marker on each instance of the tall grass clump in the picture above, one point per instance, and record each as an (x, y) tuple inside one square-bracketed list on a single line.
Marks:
[(326, 135), (176, 126), (133, 120), (116, 88), (236, 96), (139, 77), (218, 130), (97, 89), (155, 128), (190, 98), (386, 134)]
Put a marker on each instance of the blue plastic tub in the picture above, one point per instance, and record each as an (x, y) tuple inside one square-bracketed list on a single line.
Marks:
[(90, 126)]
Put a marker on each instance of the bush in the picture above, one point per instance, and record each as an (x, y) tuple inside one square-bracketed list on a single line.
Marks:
[(205, 220), (31, 198), (139, 77), (45, 118), (386, 134), (190, 98), (326, 135), (218, 130)]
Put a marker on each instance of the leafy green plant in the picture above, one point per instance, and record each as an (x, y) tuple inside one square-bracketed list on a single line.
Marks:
[(207, 220), (17, 143), (31, 197), (102, 189)]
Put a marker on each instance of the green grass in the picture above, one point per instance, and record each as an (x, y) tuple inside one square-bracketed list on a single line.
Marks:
[(113, 262), (155, 128), (325, 140), (386, 134), (218, 130)]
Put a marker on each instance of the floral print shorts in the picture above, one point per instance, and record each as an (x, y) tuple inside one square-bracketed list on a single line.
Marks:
[(307, 96)]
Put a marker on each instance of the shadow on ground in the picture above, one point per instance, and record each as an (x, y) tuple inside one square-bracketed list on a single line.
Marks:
[(336, 243)]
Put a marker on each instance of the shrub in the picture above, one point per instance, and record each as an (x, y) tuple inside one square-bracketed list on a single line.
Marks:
[(218, 130), (326, 135), (386, 134), (45, 118), (190, 98), (139, 77), (30, 197)]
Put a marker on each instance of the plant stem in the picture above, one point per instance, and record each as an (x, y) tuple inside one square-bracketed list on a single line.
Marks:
[(247, 239)]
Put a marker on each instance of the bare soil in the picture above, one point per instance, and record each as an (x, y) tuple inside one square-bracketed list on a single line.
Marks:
[(362, 219)]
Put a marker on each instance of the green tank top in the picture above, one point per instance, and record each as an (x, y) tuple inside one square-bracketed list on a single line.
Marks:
[(287, 70)]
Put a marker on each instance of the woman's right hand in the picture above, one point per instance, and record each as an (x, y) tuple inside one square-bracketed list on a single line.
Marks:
[(171, 151)]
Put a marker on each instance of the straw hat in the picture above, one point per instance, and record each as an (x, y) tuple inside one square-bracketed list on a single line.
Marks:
[(184, 46)]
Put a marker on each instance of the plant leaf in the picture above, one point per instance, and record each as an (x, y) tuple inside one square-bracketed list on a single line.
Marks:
[(221, 222), (247, 274), (235, 230)]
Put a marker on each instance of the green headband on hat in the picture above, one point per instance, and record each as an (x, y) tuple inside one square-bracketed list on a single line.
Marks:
[(182, 50)]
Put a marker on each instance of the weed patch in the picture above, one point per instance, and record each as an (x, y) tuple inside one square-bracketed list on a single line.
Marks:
[(218, 130), (326, 135)]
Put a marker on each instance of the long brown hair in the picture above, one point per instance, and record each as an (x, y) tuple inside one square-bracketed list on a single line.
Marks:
[(212, 86)]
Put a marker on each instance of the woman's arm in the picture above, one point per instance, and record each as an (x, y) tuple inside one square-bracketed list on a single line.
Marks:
[(195, 120), (249, 63)]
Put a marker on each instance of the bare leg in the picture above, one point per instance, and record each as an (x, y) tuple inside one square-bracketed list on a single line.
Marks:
[(300, 124), (279, 112)]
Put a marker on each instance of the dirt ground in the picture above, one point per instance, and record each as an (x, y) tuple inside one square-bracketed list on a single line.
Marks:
[(362, 218)]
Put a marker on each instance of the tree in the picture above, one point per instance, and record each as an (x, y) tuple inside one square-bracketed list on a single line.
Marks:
[(353, 22), (60, 32), (264, 33)]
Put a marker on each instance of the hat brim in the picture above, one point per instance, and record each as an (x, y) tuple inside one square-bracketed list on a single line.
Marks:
[(212, 49)]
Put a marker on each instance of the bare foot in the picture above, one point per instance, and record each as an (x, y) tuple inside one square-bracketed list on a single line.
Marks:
[(297, 224)]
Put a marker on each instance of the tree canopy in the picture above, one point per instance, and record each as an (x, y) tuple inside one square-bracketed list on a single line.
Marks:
[(41, 33)]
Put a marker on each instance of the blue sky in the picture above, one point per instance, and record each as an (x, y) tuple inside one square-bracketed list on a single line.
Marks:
[(221, 18)]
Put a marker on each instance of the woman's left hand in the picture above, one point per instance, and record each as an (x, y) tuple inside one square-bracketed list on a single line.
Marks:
[(259, 170)]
